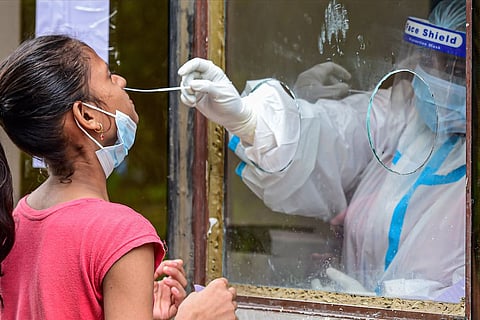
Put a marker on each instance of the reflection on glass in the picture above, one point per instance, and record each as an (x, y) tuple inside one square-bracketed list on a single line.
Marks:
[(400, 139), (336, 219)]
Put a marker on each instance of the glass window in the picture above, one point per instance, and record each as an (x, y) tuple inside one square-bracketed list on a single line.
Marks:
[(337, 219)]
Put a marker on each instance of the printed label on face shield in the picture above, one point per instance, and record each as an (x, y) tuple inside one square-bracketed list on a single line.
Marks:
[(422, 33)]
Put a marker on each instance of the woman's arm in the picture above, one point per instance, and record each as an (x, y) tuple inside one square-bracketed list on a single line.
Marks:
[(128, 286)]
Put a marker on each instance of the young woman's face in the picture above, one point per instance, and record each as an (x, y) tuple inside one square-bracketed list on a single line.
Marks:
[(109, 88)]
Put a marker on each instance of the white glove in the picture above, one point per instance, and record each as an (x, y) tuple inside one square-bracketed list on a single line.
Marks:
[(213, 94), (325, 80), (348, 284)]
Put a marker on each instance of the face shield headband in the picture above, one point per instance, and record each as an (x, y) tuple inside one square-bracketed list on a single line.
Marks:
[(424, 34)]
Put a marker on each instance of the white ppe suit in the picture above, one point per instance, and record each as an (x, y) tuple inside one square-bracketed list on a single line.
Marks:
[(404, 235), (332, 172)]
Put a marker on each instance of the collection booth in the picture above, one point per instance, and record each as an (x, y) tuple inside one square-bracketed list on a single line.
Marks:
[(183, 177)]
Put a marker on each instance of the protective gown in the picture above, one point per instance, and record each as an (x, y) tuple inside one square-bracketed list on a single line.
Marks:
[(404, 235)]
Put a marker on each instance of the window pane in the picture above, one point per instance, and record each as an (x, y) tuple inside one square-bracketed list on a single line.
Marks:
[(392, 221)]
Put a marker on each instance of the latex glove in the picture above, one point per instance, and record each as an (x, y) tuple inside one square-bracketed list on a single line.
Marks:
[(348, 284), (325, 80), (213, 94), (217, 301)]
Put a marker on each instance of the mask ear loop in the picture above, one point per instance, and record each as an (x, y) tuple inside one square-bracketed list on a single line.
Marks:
[(88, 135), (98, 109), (369, 128), (452, 74)]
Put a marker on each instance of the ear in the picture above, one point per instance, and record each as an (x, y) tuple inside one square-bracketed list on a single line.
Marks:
[(84, 117)]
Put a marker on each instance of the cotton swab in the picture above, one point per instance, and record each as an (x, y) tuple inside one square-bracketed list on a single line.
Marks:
[(156, 89)]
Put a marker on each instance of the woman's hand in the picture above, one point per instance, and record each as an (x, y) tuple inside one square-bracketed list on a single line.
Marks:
[(217, 301), (170, 291)]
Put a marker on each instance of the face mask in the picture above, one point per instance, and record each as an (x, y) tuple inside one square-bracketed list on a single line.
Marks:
[(449, 99), (112, 156)]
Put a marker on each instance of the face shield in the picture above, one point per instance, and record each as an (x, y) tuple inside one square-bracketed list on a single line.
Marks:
[(427, 98)]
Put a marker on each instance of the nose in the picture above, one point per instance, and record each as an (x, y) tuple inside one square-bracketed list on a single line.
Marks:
[(119, 80)]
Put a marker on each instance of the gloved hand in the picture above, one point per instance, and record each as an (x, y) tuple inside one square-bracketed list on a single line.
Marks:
[(213, 94), (348, 284), (325, 80)]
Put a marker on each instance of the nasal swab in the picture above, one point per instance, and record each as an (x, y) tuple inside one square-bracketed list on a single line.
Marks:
[(186, 87), (157, 89)]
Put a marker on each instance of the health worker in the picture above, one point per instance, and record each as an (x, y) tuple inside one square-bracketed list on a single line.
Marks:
[(389, 166)]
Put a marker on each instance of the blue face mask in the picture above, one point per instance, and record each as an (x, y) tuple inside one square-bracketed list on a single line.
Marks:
[(111, 157), (449, 99)]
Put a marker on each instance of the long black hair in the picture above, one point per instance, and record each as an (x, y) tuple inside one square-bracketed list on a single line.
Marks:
[(7, 224), (39, 82)]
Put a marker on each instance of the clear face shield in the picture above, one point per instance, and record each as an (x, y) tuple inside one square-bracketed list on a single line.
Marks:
[(427, 98)]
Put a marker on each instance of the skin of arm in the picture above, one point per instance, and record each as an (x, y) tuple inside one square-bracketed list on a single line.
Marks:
[(128, 286)]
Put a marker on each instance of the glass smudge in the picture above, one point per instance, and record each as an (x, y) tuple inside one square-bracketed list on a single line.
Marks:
[(334, 30)]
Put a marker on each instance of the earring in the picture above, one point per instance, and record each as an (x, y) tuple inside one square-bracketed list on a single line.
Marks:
[(100, 130)]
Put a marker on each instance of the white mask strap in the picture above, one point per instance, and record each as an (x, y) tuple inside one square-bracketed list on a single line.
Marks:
[(98, 109), (88, 135)]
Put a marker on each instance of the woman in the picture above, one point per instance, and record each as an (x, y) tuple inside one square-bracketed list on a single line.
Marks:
[(77, 255)]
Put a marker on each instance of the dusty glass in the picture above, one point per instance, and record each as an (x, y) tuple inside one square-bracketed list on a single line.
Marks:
[(359, 240)]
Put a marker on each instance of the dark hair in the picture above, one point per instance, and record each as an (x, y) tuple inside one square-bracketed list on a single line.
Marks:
[(39, 82), (7, 224)]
